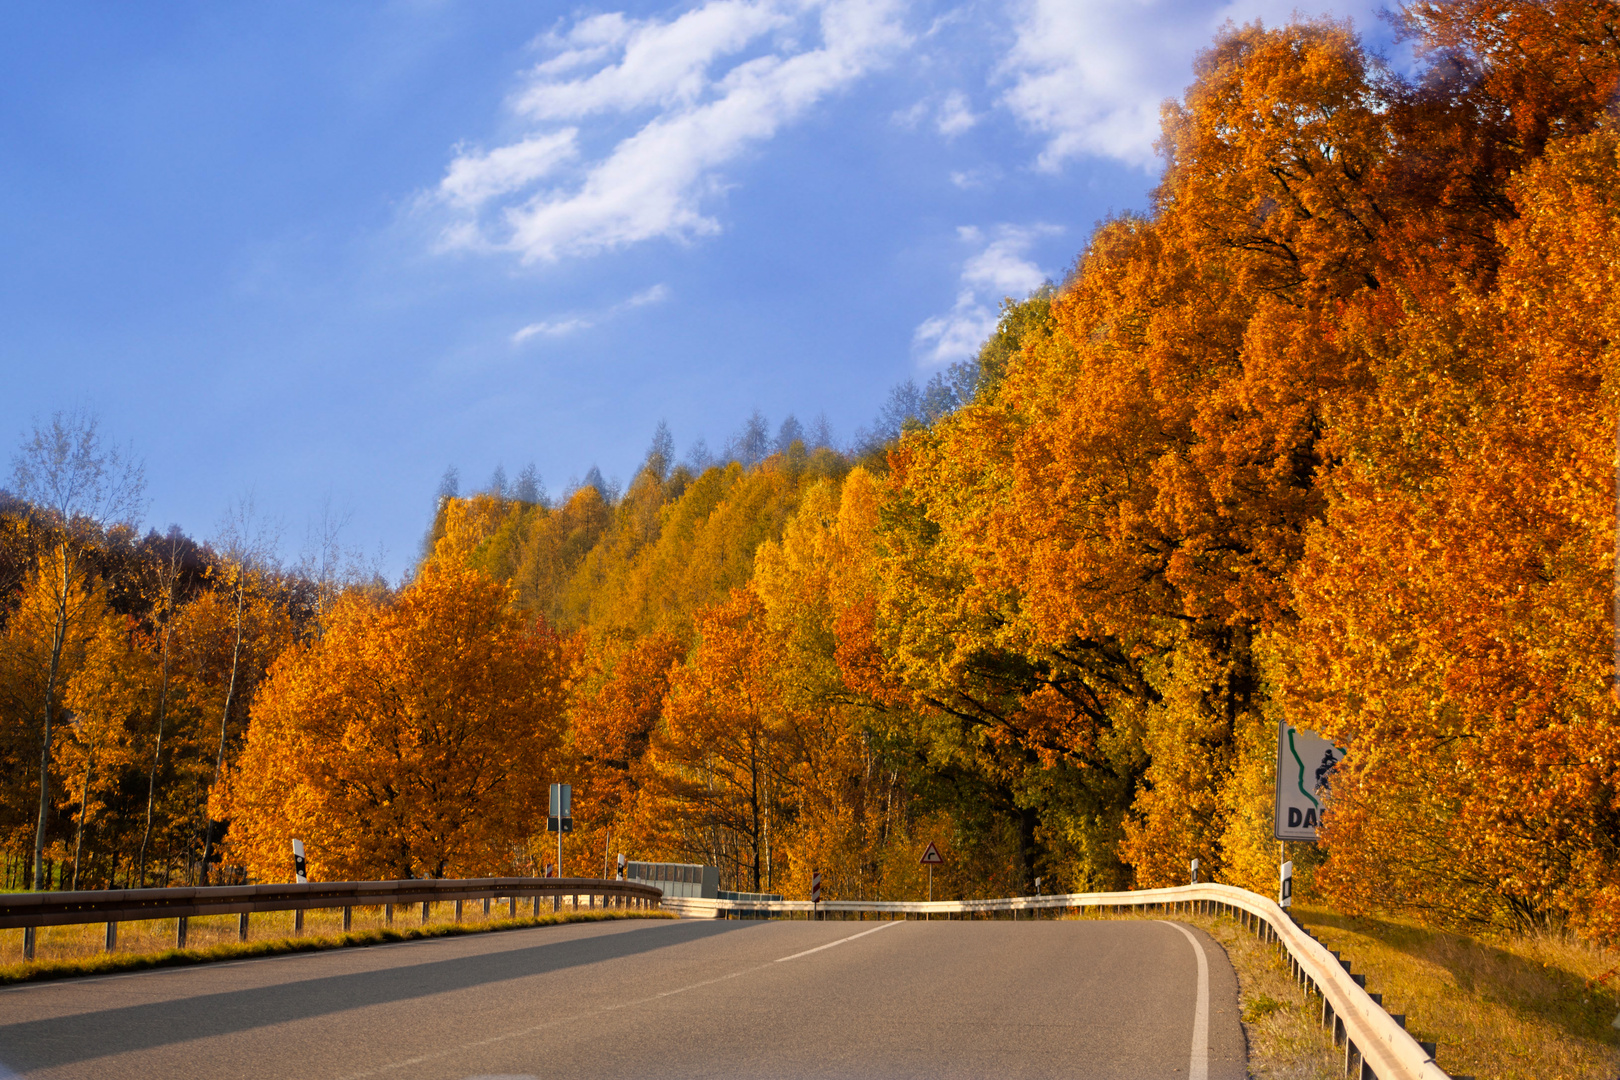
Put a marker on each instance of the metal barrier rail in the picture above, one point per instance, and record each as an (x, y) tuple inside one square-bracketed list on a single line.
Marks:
[(113, 906), (1376, 1044)]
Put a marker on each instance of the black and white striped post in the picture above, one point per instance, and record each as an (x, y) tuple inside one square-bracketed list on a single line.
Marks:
[(301, 877)]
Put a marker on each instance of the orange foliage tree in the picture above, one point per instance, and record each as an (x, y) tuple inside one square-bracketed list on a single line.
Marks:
[(412, 739)]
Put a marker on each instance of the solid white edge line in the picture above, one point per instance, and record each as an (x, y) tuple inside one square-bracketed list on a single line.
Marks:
[(1198, 1067), (840, 941)]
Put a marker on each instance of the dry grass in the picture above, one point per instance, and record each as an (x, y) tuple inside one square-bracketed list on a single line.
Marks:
[(1533, 1007), (62, 951)]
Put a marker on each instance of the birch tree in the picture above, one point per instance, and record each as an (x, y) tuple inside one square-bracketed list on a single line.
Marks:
[(79, 488)]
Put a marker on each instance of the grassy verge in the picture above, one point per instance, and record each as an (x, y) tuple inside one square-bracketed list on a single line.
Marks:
[(104, 963), (1533, 1007)]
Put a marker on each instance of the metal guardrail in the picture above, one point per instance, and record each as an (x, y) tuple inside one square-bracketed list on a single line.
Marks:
[(113, 906), (1376, 1044)]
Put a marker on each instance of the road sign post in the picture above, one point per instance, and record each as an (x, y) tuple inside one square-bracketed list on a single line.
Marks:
[(931, 859), (560, 816), (1305, 764)]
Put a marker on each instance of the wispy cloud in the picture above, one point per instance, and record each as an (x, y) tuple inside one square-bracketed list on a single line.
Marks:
[(556, 328), (655, 295), (954, 116), (949, 115), (998, 269), (701, 88), (562, 327)]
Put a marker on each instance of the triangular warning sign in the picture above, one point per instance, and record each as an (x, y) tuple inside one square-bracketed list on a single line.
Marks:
[(931, 856)]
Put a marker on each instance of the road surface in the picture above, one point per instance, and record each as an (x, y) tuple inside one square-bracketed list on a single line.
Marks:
[(1095, 1000)]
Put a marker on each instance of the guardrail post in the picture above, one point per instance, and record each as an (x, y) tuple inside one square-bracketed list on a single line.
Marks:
[(242, 926), (180, 932), (458, 911), (537, 905), (511, 906), (486, 906), (427, 911), (28, 943), (556, 901), (298, 921), (112, 936), (388, 914), (348, 917)]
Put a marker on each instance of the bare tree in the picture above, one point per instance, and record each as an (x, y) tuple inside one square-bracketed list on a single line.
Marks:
[(81, 488), (246, 548), (166, 608), (325, 563)]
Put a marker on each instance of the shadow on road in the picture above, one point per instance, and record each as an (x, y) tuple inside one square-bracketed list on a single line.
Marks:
[(64, 1040)]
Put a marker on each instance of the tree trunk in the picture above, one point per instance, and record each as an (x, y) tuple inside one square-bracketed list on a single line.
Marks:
[(224, 723), (58, 640), (753, 773), (84, 812), (157, 749)]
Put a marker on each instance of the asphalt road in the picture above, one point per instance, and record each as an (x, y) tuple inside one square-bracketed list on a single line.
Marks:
[(1099, 1000)]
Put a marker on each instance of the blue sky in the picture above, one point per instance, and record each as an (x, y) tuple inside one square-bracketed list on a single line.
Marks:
[(317, 253)]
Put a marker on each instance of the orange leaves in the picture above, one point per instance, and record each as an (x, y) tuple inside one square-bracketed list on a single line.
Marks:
[(1457, 599), (616, 712), (412, 739), (1274, 160)]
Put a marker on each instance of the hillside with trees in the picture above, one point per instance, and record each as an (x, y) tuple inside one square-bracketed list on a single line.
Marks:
[(1326, 433)]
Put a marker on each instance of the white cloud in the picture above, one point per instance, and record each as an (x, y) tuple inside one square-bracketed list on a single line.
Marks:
[(557, 328), (910, 118), (999, 269), (1088, 76), (662, 64), (954, 115), (951, 114), (704, 87), (655, 294), (474, 179)]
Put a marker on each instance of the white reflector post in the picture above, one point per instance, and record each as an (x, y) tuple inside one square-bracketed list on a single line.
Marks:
[(298, 862), (1287, 899)]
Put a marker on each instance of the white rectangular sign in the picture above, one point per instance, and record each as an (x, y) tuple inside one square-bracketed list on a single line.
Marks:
[(1305, 763)]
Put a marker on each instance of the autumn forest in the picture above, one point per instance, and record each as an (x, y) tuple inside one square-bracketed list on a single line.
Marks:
[(1326, 433)]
